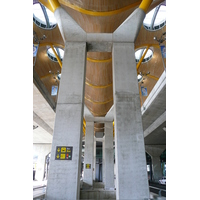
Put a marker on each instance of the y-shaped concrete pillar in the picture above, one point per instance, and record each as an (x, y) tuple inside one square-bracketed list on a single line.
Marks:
[(132, 183), (64, 173), (131, 171)]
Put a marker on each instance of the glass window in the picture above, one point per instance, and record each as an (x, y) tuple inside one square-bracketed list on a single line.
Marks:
[(161, 16), (52, 56), (43, 17), (156, 18), (140, 52), (37, 12)]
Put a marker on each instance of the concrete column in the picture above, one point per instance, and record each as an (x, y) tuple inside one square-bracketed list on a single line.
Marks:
[(109, 156), (94, 161), (131, 170), (64, 175), (89, 153), (155, 152), (157, 171), (103, 161)]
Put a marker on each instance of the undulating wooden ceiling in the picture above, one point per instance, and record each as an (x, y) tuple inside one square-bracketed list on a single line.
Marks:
[(98, 16)]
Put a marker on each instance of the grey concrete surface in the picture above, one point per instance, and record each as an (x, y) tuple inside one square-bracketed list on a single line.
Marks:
[(109, 156), (129, 29), (68, 27), (89, 153), (131, 173), (64, 175)]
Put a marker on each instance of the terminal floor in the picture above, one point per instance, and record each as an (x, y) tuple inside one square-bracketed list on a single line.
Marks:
[(99, 187)]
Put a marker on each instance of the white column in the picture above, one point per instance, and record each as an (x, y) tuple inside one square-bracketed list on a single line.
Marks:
[(157, 171), (131, 171), (94, 161), (64, 175), (109, 156), (89, 153)]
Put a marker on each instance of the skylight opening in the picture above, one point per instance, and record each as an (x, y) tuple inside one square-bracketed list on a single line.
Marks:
[(139, 53), (52, 56), (43, 17), (156, 18)]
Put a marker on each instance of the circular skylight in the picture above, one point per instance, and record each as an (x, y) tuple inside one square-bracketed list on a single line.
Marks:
[(156, 18), (52, 56), (140, 52), (43, 17)]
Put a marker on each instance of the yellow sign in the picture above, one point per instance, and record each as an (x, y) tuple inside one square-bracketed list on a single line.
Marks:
[(57, 156), (68, 150), (63, 149), (62, 156), (88, 166), (58, 149)]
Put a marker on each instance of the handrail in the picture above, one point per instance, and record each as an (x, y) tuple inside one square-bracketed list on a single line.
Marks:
[(157, 188), (35, 188)]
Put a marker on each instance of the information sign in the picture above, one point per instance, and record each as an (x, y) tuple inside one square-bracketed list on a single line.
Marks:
[(63, 153), (88, 166)]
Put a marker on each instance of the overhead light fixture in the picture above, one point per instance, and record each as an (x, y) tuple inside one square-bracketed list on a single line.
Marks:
[(139, 77), (162, 38)]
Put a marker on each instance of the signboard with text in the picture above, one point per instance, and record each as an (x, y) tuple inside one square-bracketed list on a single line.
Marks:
[(63, 153)]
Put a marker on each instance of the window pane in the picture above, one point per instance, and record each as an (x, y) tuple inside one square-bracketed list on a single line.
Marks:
[(61, 53), (148, 54), (138, 54), (161, 16), (148, 18), (52, 19), (37, 11)]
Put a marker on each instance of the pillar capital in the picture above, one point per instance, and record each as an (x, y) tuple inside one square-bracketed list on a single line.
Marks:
[(69, 29), (155, 150)]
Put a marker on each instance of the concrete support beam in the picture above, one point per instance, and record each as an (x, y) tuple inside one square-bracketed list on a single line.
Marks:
[(42, 123), (131, 172), (155, 124), (89, 153), (159, 86), (155, 152), (129, 29), (68, 27), (64, 175), (109, 156), (108, 118)]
